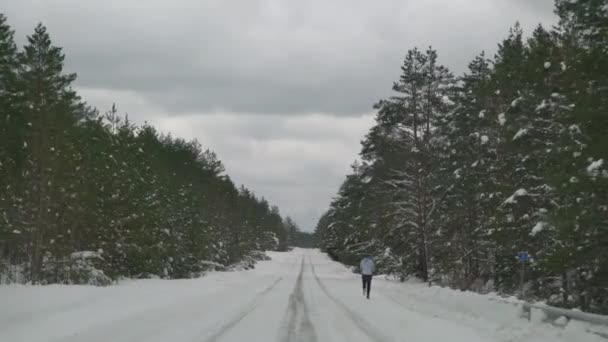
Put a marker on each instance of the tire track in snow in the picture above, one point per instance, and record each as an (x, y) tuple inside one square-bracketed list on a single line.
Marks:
[(297, 325), (249, 309), (361, 323)]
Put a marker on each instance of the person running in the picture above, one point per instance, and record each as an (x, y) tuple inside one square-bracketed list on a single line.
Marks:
[(367, 272)]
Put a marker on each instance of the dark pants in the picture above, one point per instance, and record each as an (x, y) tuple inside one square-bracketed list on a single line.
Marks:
[(367, 283)]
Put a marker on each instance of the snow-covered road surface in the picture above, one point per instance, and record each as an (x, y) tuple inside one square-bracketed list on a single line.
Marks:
[(297, 296)]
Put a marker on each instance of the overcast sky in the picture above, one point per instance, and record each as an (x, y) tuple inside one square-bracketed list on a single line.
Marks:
[(282, 90)]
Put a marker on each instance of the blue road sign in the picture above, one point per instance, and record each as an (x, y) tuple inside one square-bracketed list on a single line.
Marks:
[(523, 256)]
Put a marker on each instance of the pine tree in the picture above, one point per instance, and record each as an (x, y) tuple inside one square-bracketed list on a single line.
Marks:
[(424, 99), (507, 84), (50, 107), (342, 232), (538, 146), (466, 172), (582, 218), (291, 228), (9, 142), (585, 20)]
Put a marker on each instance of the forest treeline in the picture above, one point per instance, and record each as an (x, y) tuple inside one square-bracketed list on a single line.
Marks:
[(460, 174), (88, 197)]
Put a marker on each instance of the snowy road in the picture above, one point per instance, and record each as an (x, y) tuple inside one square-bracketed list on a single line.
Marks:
[(298, 296)]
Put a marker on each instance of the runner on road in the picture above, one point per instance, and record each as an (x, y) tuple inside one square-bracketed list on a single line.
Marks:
[(367, 272)]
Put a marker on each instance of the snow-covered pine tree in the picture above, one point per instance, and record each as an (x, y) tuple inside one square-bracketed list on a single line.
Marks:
[(466, 172), (423, 100), (275, 223), (506, 83), (385, 156), (10, 148), (534, 148), (582, 217), (342, 231), (49, 106)]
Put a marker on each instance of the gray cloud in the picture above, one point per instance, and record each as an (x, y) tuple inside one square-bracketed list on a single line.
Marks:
[(281, 90), (266, 56)]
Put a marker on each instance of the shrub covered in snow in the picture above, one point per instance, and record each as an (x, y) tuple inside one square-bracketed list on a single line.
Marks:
[(248, 261), (80, 268)]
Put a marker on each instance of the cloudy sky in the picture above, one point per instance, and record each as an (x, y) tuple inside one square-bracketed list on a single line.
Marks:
[(282, 90)]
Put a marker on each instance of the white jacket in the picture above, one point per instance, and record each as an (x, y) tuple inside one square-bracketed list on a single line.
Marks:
[(367, 266)]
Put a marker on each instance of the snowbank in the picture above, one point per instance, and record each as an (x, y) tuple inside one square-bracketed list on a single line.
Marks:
[(502, 318)]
